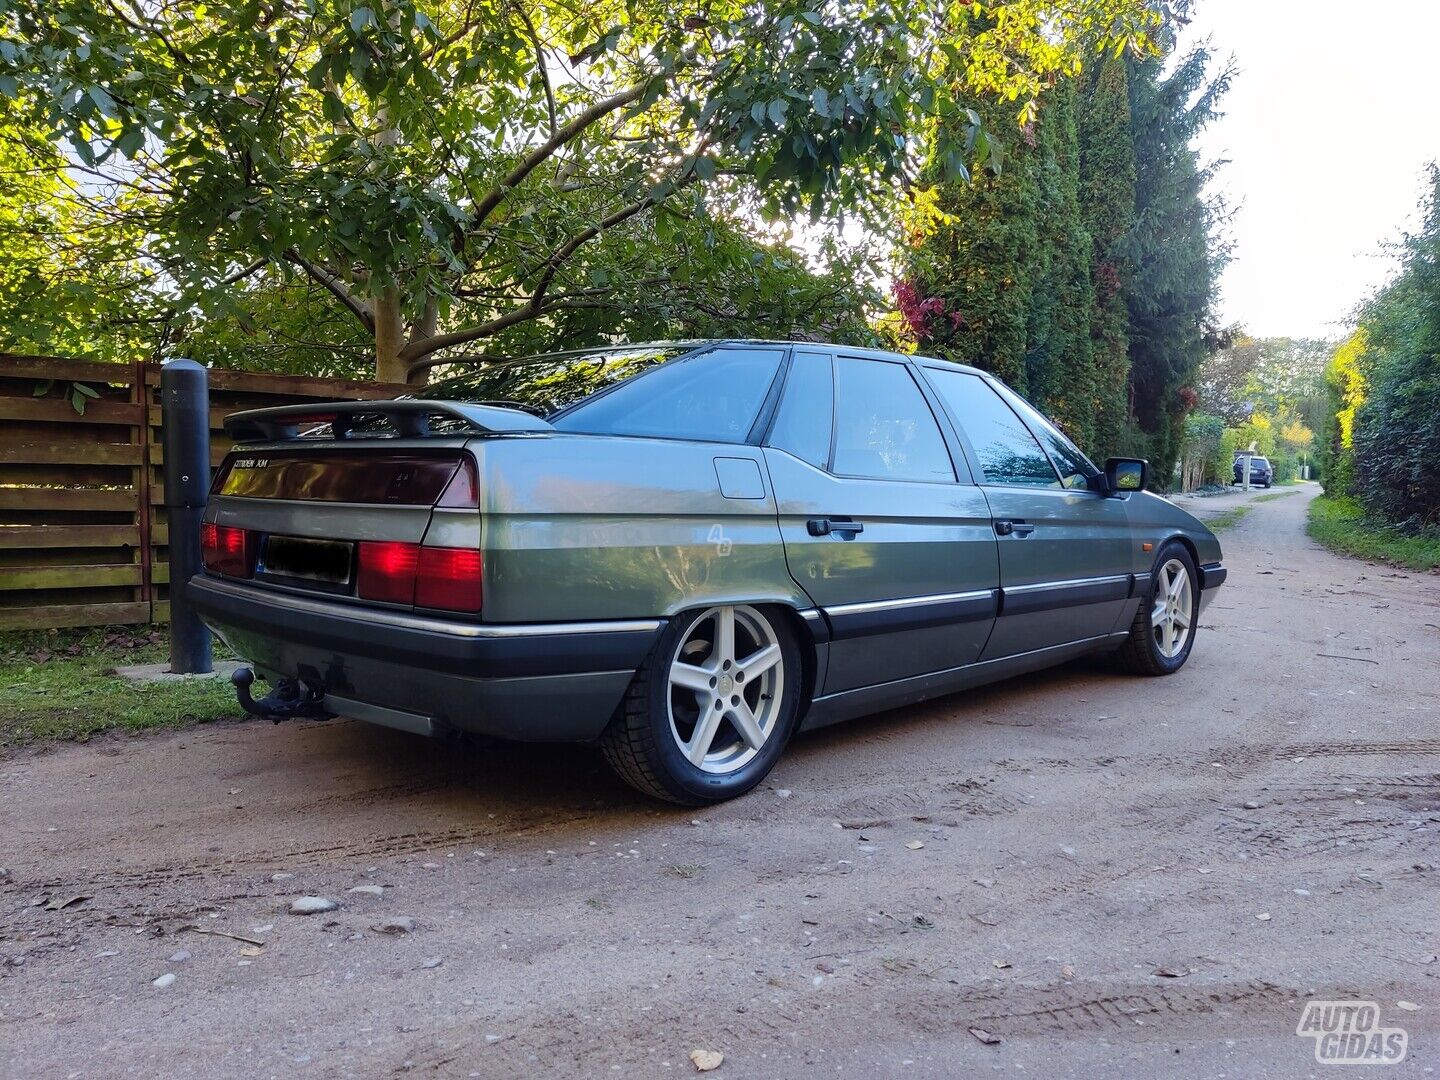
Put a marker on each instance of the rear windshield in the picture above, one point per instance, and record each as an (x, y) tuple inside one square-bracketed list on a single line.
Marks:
[(712, 395), (545, 385)]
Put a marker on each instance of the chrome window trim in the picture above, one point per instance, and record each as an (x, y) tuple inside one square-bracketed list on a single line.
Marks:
[(420, 622)]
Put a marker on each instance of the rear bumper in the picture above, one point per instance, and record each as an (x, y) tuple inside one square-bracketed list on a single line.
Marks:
[(539, 682)]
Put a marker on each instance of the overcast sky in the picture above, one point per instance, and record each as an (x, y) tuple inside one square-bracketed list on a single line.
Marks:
[(1328, 128)]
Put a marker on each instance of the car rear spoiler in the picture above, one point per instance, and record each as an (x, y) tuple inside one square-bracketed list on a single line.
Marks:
[(410, 417)]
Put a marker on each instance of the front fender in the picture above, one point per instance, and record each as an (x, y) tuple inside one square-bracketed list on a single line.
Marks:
[(1158, 520)]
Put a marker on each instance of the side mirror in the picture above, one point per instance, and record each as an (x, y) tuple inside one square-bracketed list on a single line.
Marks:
[(1123, 475)]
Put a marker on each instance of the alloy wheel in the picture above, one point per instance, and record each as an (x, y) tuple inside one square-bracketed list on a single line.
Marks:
[(1173, 609), (726, 684)]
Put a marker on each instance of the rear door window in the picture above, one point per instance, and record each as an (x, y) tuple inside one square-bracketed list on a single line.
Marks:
[(712, 397), (884, 428), (802, 423)]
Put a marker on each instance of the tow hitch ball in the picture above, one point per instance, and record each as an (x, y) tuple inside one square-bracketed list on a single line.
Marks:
[(290, 698)]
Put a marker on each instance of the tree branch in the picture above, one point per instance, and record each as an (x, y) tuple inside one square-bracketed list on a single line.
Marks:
[(244, 272), (536, 305), (540, 65), (537, 157), (336, 286)]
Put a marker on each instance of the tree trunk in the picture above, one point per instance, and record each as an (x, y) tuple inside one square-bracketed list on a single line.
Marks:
[(389, 337)]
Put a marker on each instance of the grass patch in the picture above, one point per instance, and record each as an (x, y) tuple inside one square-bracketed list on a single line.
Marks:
[(1229, 518), (1272, 495), (59, 684), (1340, 525)]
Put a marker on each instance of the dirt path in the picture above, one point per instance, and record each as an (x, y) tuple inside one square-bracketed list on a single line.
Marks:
[(1081, 831)]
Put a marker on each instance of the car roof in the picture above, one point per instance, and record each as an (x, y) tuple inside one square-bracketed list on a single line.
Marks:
[(702, 343)]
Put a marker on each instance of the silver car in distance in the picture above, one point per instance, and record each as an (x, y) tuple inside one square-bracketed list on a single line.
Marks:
[(684, 552)]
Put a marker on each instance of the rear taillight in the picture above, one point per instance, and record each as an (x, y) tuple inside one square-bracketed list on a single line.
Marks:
[(429, 577), (448, 578), (463, 490), (387, 571), (227, 550)]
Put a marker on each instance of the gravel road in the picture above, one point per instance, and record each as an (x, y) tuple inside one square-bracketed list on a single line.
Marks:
[(1111, 876)]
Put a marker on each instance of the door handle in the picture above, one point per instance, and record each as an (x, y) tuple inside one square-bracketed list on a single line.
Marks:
[(826, 526), (1013, 528)]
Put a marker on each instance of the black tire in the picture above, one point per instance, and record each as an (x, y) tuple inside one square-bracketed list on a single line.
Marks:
[(1141, 654), (642, 747)]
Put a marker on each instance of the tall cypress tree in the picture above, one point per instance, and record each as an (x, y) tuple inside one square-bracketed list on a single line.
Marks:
[(976, 269), (1059, 360), (1107, 207), (1003, 282), (1173, 257)]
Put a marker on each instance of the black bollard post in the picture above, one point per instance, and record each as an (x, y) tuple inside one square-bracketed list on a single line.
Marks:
[(185, 430)]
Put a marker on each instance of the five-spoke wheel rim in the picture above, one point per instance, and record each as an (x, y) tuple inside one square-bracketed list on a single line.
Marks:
[(726, 683), (1173, 610)]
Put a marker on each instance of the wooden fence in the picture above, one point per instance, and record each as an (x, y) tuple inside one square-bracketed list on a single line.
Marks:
[(82, 528)]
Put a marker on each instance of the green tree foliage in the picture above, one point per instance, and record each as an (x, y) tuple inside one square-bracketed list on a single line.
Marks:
[(1271, 374), (1107, 200), (1004, 268), (1084, 272), (67, 286), (1171, 257), (1345, 388), (1392, 382), (979, 265), (462, 174), (1059, 357)]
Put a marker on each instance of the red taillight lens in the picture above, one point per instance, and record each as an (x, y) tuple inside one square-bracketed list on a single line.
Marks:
[(430, 577), (226, 550), (387, 571), (448, 578)]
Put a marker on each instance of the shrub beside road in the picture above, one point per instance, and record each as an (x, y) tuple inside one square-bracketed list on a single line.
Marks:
[(1341, 525)]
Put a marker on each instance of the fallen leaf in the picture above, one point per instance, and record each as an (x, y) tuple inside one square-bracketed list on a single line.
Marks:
[(1067, 971), (1264, 916), (985, 1037), (915, 845), (1000, 965), (1172, 972), (1408, 1006), (705, 1060), (252, 950)]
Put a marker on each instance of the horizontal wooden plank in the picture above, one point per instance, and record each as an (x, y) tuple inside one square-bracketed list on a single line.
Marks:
[(218, 449), (13, 578), (13, 498), (68, 536), (160, 572), (64, 477), (57, 615), (260, 382), (70, 453), (55, 410), (160, 611), (59, 367), (217, 420)]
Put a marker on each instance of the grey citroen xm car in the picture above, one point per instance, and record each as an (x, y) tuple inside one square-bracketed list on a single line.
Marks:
[(682, 552)]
